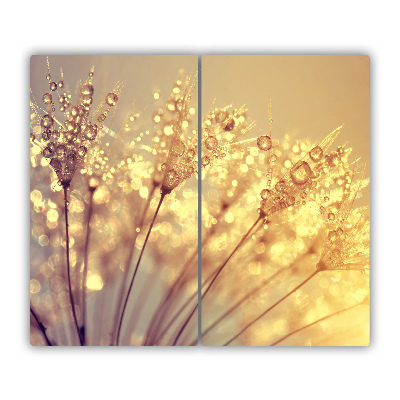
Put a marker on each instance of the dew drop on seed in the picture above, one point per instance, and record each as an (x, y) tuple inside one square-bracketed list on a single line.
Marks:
[(46, 121), (191, 153), (316, 153), (228, 124), (264, 143), (265, 193), (280, 186), (300, 173), (87, 89), (273, 158), (331, 216), (47, 98), (112, 99), (177, 147), (332, 235), (171, 179), (74, 111), (53, 86), (205, 160), (56, 164), (211, 143), (82, 151)]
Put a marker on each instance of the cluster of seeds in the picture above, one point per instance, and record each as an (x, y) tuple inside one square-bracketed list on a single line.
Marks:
[(65, 145)]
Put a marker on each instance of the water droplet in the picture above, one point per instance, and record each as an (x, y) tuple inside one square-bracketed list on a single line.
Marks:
[(273, 158), (290, 200), (326, 198), (340, 231), (112, 99), (228, 124), (71, 160), (280, 186), (82, 150), (171, 179), (61, 84), (264, 143), (48, 77), (205, 160), (93, 183), (191, 153), (90, 132), (49, 150), (46, 134), (56, 164), (300, 173), (265, 193), (47, 98), (177, 148), (163, 167), (46, 121), (61, 99), (74, 111), (335, 256), (316, 153), (70, 126), (87, 89), (101, 118), (332, 235), (61, 151), (137, 230), (211, 143), (331, 216), (53, 86)]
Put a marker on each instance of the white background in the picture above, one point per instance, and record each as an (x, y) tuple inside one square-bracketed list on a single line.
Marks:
[(341, 27)]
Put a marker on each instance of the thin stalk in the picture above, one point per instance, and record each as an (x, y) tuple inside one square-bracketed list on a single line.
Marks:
[(68, 265), (86, 262), (243, 299), (217, 274), (132, 250), (272, 307), (163, 194), (165, 305), (315, 322), (41, 326)]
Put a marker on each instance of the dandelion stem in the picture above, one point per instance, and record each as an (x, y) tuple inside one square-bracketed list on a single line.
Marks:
[(163, 194), (68, 265), (165, 305), (217, 274), (132, 250), (41, 326), (254, 291), (86, 262), (315, 322), (272, 307)]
